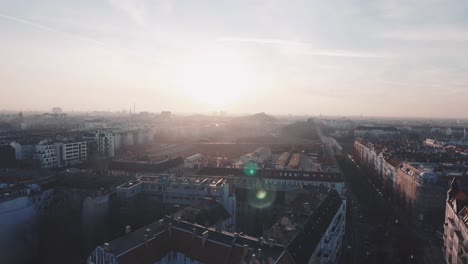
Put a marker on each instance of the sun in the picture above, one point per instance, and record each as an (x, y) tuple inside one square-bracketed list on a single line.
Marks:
[(215, 78)]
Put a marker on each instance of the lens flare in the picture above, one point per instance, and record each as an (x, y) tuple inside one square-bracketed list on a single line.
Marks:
[(261, 194), (250, 169), (261, 198)]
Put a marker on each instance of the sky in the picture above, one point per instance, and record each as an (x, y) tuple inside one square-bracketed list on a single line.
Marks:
[(345, 57)]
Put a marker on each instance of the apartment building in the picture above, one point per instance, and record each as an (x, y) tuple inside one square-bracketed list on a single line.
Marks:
[(455, 237), (364, 131), (46, 155), (104, 143), (71, 153), (169, 189), (173, 240)]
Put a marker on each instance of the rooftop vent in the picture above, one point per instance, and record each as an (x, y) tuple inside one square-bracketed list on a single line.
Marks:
[(204, 237), (194, 233), (245, 249)]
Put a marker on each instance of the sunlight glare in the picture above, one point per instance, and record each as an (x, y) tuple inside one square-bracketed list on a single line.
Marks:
[(215, 78)]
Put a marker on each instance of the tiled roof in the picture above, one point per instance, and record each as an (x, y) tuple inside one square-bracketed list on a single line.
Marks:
[(394, 162)]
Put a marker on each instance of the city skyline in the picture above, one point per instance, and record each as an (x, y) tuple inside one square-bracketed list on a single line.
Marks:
[(385, 58)]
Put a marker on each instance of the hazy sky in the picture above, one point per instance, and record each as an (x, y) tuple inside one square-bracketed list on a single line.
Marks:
[(393, 58)]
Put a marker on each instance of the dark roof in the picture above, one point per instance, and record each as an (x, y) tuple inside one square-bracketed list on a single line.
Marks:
[(306, 240), (377, 128), (152, 242), (206, 212), (273, 174), (147, 166), (394, 162), (168, 235)]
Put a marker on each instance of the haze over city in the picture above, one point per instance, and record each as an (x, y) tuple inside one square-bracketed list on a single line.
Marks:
[(240, 132), (383, 58)]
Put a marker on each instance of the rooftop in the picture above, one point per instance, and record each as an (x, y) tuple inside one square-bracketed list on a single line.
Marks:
[(377, 128), (152, 242), (324, 176), (155, 167)]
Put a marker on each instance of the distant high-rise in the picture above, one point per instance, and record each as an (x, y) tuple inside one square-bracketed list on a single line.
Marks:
[(166, 114), (56, 110)]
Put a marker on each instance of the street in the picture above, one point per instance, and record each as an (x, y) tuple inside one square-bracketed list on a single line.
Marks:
[(377, 232)]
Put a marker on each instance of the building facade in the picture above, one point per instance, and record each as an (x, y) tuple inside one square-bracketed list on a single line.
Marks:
[(71, 153), (169, 189), (104, 143), (455, 237), (172, 240), (46, 155)]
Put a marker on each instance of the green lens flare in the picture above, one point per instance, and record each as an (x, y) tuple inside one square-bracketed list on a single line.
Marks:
[(250, 169)]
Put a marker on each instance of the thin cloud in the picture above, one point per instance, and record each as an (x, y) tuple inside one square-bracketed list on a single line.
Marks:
[(348, 54), (29, 23), (47, 28), (134, 9), (305, 48), (266, 41), (440, 33)]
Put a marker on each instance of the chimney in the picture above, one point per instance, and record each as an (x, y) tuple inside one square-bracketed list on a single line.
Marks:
[(194, 233), (261, 240), (128, 229), (260, 253), (146, 239), (204, 237), (169, 229), (219, 226), (253, 259), (106, 247), (178, 220), (246, 250), (270, 242), (161, 223)]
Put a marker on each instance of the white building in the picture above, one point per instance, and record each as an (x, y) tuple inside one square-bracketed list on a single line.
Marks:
[(20, 207), (23, 151), (179, 190), (193, 162), (71, 153), (363, 131), (105, 143), (95, 124), (46, 155), (260, 155)]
